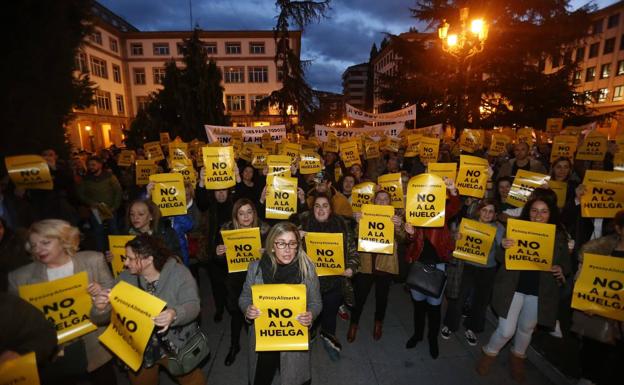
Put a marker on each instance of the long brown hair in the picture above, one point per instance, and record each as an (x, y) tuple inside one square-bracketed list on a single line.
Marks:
[(237, 206)]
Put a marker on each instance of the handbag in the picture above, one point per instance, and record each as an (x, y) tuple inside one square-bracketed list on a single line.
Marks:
[(595, 327), (427, 279), (190, 355)]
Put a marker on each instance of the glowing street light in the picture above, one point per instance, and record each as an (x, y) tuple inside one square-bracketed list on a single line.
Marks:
[(468, 40)]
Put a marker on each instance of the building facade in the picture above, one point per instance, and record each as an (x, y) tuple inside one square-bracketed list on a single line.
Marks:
[(354, 81), (127, 65)]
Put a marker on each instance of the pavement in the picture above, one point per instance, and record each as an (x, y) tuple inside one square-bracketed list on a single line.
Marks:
[(365, 361)]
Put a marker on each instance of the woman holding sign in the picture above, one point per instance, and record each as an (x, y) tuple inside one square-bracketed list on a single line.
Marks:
[(322, 220), (244, 216), (144, 217), (284, 262), (524, 298)]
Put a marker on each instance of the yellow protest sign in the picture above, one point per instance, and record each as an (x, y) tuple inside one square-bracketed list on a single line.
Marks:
[(29, 172), (20, 371), (277, 328), (185, 167), (153, 151), (117, 247), (393, 185), (169, 193), (361, 193), (164, 138), (376, 229), (602, 200), (337, 172), (525, 135), (219, 163), (599, 288), (594, 147), (498, 144), (271, 147), (309, 162), (131, 323), (178, 150), (442, 170), (259, 158), (554, 125), (470, 140), (561, 190), (242, 246), (472, 176), (564, 146), (327, 252), (412, 147), (349, 153), (246, 152), (281, 197), (144, 169), (476, 241), (392, 144), (533, 248), (429, 148), (332, 144), (426, 201), (65, 302), (278, 165), (292, 150), (126, 158), (371, 149), (523, 185)]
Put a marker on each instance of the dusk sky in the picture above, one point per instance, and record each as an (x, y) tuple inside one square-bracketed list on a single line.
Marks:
[(343, 39)]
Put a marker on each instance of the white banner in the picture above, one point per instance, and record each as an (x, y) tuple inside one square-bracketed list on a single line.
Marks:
[(393, 130), (223, 134), (403, 115)]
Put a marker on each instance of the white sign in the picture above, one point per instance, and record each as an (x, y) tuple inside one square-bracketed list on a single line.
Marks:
[(393, 130), (403, 115), (223, 134)]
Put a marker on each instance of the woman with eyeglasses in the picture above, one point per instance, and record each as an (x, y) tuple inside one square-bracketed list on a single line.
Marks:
[(323, 220), (284, 262), (244, 216)]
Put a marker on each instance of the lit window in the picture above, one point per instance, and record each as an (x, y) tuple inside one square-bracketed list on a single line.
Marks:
[(256, 48), (234, 75), (136, 49), (605, 70), (235, 102), (580, 54), (253, 99), (142, 102), (620, 68), (103, 100), (116, 73), (98, 67), (139, 75), (159, 75), (161, 49), (114, 46), (590, 74), (577, 76), (258, 74), (618, 93), (602, 94), (121, 108), (232, 48)]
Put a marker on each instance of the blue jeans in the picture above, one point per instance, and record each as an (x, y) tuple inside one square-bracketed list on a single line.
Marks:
[(418, 296)]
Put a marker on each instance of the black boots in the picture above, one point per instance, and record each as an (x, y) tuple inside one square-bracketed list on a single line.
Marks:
[(419, 323), (433, 325), (231, 356)]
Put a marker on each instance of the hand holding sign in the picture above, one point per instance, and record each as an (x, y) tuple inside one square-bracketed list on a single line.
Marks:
[(252, 312), (165, 319), (305, 319)]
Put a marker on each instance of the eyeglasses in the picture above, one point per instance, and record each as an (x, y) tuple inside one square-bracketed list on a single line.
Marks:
[(291, 245)]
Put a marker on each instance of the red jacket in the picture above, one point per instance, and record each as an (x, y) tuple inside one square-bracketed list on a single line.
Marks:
[(440, 237)]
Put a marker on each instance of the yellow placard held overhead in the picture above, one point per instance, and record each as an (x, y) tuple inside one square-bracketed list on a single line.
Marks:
[(429, 148), (279, 165), (426, 201), (498, 144), (144, 169), (470, 140), (533, 248), (564, 146), (186, 169), (476, 241), (393, 185), (126, 158), (472, 176), (65, 302), (164, 138), (371, 149), (20, 371), (117, 247), (361, 193), (376, 229), (412, 147), (442, 170), (242, 246), (561, 190), (219, 163), (554, 125), (277, 328), (29, 172), (153, 151), (309, 162), (523, 185), (281, 197), (131, 323), (599, 288), (178, 150), (332, 144), (169, 193), (594, 147), (349, 153), (392, 144), (602, 200), (259, 158), (525, 135), (327, 252)]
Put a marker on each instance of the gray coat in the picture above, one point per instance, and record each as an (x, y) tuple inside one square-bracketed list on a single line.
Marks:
[(506, 283), (93, 263), (295, 367)]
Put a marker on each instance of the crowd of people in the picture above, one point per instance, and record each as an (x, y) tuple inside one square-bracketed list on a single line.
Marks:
[(51, 234)]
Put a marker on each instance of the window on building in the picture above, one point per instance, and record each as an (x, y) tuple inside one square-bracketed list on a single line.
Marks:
[(253, 99), (142, 102), (577, 76), (256, 48), (597, 26), (613, 21), (161, 49), (620, 68), (258, 74), (605, 71), (98, 67), (602, 94), (590, 74), (113, 44), (116, 73), (136, 49), (81, 62), (139, 75), (121, 108), (580, 54), (211, 48), (103, 100), (234, 75), (235, 102), (618, 93), (159, 75), (96, 37), (609, 46), (179, 49), (232, 48), (594, 49)]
